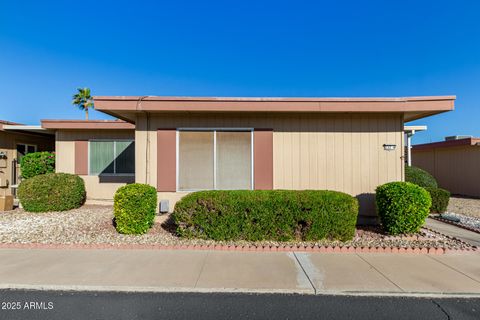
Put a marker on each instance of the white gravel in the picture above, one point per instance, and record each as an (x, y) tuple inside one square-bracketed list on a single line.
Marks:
[(93, 225), (467, 221)]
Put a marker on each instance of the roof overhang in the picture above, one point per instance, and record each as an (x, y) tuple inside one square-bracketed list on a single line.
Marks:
[(413, 108), (27, 129), (87, 124)]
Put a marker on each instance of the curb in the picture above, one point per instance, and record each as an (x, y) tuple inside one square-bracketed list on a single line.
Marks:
[(243, 248), (133, 289), (476, 230)]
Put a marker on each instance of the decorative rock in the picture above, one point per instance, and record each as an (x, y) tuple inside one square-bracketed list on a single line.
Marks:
[(91, 227)]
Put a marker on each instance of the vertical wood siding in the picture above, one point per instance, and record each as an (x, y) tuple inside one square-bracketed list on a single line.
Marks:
[(341, 152)]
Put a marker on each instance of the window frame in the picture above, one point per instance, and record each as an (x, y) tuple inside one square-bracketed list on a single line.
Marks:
[(114, 160), (214, 130), (26, 145)]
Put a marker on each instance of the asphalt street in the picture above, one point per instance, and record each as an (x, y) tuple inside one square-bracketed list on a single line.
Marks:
[(122, 305)]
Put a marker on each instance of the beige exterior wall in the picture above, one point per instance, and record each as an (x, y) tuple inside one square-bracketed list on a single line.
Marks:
[(341, 152), (8, 144), (98, 188), (455, 168)]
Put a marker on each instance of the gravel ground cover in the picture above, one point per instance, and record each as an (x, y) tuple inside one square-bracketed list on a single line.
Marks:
[(93, 225), (471, 223), (465, 206), (463, 212)]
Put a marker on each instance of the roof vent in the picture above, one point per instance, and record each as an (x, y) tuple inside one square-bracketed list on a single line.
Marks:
[(449, 138)]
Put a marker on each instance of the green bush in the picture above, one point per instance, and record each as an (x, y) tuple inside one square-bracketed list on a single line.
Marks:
[(440, 198), (134, 208), (279, 215), (402, 207), (420, 177), (52, 192), (36, 163)]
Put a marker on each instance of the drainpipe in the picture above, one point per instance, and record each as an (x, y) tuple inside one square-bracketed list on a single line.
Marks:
[(147, 152)]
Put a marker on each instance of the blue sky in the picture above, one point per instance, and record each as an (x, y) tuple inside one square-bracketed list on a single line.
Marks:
[(240, 48)]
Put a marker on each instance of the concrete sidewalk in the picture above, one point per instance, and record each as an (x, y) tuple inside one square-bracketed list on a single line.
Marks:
[(213, 271)]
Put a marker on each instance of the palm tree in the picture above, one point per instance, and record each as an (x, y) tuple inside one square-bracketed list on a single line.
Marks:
[(83, 100)]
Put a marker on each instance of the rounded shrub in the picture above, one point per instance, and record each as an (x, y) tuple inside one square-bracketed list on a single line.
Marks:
[(279, 215), (36, 163), (52, 192), (134, 208), (402, 207), (420, 177), (440, 198)]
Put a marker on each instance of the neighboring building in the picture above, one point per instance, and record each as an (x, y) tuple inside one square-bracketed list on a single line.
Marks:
[(16, 140), (453, 162), (102, 152)]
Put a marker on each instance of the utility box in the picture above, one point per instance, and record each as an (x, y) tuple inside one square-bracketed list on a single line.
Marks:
[(164, 206), (6, 203)]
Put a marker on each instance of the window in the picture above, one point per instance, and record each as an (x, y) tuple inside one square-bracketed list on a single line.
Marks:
[(23, 149), (234, 160), (195, 160), (112, 157), (214, 159)]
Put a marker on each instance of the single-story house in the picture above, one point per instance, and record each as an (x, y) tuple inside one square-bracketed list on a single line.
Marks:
[(453, 162), (183, 144), (16, 140)]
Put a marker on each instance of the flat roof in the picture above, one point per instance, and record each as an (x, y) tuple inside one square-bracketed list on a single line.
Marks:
[(5, 122), (27, 129), (86, 124), (126, 107), (448, 144)]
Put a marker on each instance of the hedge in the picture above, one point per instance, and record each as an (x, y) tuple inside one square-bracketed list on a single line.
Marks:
[(440, 198), (134, 208), (52, 192), (420, 177), (402, 207), (36, 163), (278, 215)]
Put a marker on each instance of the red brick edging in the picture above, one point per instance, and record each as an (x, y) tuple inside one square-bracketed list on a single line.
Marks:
[(249, 248)]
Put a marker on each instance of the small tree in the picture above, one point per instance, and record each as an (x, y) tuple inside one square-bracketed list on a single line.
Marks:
[(83, 100)]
